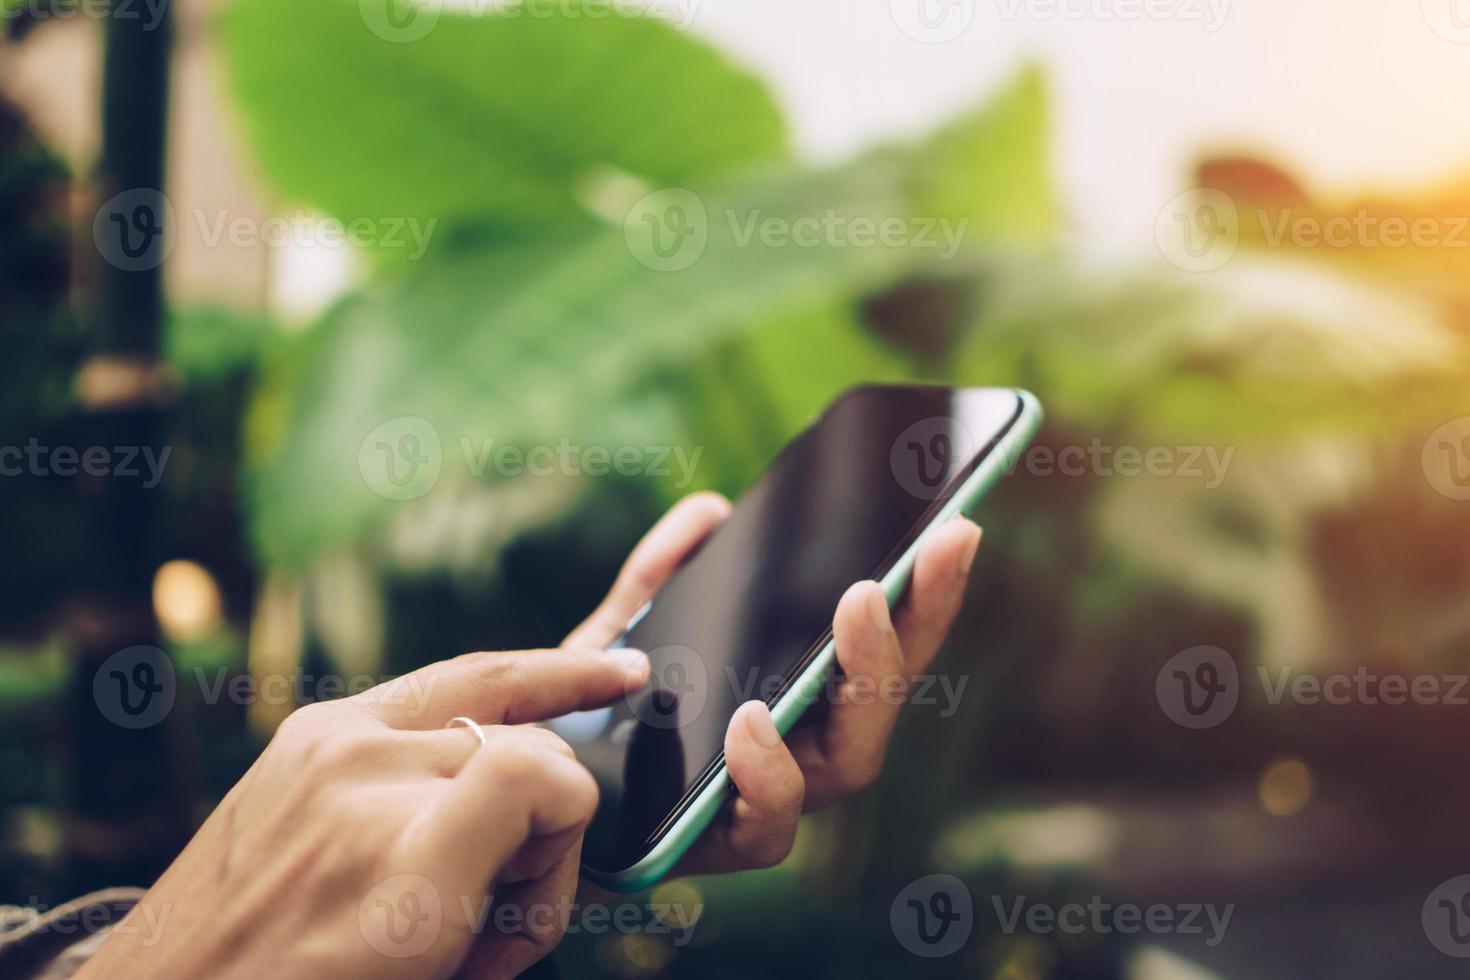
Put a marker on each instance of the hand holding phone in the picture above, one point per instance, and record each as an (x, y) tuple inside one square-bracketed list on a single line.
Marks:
[(815, 766), (754, 601)]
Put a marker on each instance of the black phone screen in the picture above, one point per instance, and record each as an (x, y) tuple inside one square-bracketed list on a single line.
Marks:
[(754, 603)]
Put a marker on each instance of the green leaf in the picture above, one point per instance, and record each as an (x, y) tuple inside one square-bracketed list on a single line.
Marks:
[(488, 118), (994, 167), (538, 341)]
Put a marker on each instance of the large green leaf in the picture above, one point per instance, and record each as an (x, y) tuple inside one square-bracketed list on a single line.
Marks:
[(486, 118), (996, 167), (534, 342)]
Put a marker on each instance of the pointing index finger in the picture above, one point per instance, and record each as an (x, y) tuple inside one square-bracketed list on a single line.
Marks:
[(507, 688)]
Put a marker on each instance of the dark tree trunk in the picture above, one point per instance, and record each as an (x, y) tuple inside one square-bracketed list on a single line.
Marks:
[(129, 812)]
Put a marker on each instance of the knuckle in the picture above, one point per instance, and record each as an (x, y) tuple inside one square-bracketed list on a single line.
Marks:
[(305, 732), (346, 752), (523, 763), (326, 739), (513, 764), (768, 852), (546, 926), (552, 936), (640, 580), (587, 795), (306, 722), (580, 788), (488, 676), (550, 740), (859, 775), (797, 791), (493, 668)]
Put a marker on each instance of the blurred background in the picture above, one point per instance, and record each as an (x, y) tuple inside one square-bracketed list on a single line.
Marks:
[(280, 278)]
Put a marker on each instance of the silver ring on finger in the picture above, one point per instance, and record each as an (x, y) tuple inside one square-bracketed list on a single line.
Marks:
[(469, 723)]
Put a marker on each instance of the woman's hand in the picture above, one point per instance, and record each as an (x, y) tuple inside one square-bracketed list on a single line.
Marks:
[(842, 754), (368, 838)]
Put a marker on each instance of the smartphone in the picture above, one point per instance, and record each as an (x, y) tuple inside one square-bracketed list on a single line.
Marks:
[(749, 613)]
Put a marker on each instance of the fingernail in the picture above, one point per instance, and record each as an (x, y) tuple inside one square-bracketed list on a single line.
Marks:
[(636, 661), (762, 726)]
